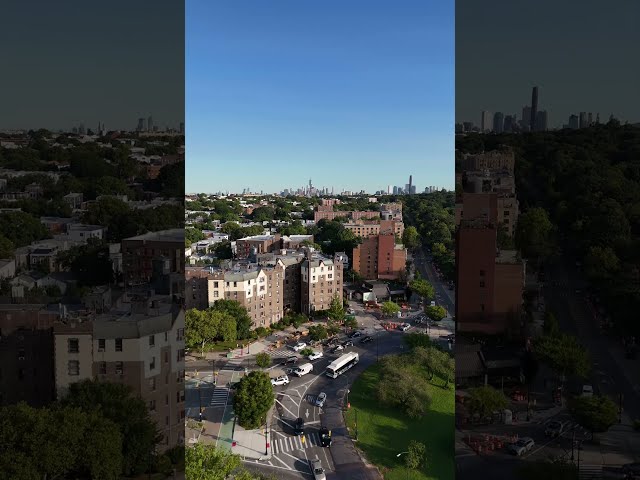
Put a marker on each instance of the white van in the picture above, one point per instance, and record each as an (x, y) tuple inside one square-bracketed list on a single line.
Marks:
[(303, 369)]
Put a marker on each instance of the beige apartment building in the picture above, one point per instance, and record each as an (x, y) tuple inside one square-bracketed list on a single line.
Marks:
[(321, 280), (142, 348), (366, 229)]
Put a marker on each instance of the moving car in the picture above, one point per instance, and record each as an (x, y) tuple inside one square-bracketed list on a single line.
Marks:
[(337, 348), (298, 427), (303, 369), (320, 399), (405, 327), (366, 339), (315, 355), (325, 437), (355, 334), (299, 346), (554, 428), (587, 391), (281, 380), (318, 471), (290, 360), (522, 446)]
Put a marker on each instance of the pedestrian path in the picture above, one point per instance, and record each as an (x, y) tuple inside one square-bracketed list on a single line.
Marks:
[(219, 397), (232, 364), (291, 443)]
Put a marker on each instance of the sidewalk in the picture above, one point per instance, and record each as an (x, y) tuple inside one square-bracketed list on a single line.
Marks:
[(252, 444)]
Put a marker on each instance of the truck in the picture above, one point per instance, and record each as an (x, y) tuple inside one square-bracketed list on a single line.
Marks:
[(342, 364), (303, 369)]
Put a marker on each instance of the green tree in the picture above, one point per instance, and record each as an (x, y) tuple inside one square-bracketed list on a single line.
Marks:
[(21, 229), (486, 400), (550, 326), (416, 455), (563, 354), (336, 310), (402, 386), (601, 263), (6, 247), (263, 359), (390, 308), (116, 402), (239, 313), (596, 413), (415, 340), (193, 235), (422, 288), (206, 462), (533, 233), (350, 322), (410, 237), (201, 328), (435, 312), (253, 398), (318, 332)]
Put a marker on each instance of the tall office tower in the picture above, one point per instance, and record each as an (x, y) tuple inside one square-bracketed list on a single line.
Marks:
[(388, 189), (508, 124), (150, 124), (526, 117), (590, 120), (583, 120), (140, 125), (485, 121), (534, 109), (410, 185), (498, 122), (573, 122), (542, 121)]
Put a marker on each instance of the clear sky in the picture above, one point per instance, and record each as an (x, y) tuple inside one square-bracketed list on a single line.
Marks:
[(354, 95), (582, 54), (70, 62)]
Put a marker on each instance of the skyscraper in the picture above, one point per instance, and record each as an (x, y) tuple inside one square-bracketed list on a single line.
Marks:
[(485, 121), (508, 123), (140, 124), (583, 120), (410, 185), (534, 109), (150, 124), (590, 121), (573, 122), (498, 122), (542, 121), (526, 117)]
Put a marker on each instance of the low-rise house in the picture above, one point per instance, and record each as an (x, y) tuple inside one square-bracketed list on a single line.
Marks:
[(7, 268)]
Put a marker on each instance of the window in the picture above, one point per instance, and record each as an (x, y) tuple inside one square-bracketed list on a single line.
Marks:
[(215, 284), (119, 368), (166, 336), (166, 422), (102, 344), (152, 364), (235, 284), (152, 384), (152, 405), (180, 396), (74, 345), (166, 400), (482, 307), (74, 368), (21, 354), (166, 357), (102, 368), (152, 340), (166, 379), (118, 344), (215, 294), (481, 283), (181, 354), (20, 374)]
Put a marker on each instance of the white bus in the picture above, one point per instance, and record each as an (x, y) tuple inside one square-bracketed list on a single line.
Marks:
[(342, 364)]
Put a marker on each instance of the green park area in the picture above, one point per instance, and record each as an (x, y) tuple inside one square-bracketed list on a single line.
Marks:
[(421, 413)]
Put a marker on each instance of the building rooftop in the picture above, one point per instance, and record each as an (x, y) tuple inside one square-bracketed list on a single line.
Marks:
[(173, 235), (258, 238), (508, 256)]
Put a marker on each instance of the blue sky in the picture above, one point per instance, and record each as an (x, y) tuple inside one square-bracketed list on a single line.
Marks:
[(354, 95)]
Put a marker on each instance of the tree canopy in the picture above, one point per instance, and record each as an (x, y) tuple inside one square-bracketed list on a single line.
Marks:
[(253, 398)]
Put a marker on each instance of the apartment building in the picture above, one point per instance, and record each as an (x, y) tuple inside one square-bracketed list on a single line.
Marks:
[(493, 160), (365, 229), (142, 347), (321, 281), (261, 244), (326, 212), (489, 282), (493, 207), (294, 241), (139, 253), (26, 354), (391, 211), (380, 257)]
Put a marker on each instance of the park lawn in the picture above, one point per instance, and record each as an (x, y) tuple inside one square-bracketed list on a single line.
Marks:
[(384, 432)]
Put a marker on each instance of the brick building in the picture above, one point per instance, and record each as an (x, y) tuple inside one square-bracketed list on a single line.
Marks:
[(139, 253), (321, 280), (380, 257), (261, 243)]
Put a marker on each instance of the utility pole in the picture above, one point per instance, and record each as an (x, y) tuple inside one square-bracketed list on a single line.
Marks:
[(356, 425)]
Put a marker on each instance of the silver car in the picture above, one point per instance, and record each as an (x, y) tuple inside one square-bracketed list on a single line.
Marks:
[(522, 446), (318, 471), (320, 399)]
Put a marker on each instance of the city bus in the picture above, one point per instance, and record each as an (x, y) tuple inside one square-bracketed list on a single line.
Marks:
[(342, 364)]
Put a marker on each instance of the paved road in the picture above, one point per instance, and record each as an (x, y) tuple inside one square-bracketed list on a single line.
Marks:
[(444, 296), (575, 317)]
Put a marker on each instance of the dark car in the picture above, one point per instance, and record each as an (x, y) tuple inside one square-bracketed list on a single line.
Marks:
[(366, 339), (348, 343), (290, 360), (298, 427), (355, 334), (325, 437)]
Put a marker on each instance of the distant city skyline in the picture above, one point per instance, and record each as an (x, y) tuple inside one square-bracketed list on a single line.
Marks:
[(349, 93), (90, 63), (575, 52)]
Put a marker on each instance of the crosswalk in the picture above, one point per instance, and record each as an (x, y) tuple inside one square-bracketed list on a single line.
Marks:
[(219, 397), (288, 444), (281, 353), (232, 364)]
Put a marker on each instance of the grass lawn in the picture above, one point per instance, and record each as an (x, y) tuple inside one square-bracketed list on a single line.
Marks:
[(385, 432)]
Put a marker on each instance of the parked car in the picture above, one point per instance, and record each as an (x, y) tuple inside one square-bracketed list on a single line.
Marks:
[(366, 339), (587, 391), (298, 427), (290, 360), (315, 355), (405, 327), (299, 346), (348, 343), (337, 348), (522, 446), (320, 399), (325, 437), (355, 334), (351, 311), (433, 303), (318, 471), (281, 380)]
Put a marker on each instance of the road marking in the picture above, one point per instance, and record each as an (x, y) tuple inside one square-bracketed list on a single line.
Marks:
[(282, 462), (280, 433), (281, 404)]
